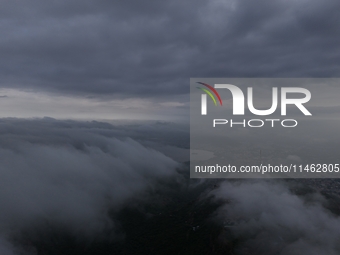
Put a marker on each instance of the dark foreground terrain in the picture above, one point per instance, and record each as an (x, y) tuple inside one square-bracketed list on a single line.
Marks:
[(178, 220)]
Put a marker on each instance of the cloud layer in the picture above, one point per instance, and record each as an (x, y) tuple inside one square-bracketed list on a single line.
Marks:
[(270, 219), (151, 49), (69, 177)]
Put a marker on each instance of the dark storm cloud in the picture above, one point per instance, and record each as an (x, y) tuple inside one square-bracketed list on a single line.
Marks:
[(153, 48)]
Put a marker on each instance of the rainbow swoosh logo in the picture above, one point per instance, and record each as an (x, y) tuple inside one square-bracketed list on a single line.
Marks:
[(211, 89)]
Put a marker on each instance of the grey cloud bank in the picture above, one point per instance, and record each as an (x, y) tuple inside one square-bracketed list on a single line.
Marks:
[(151, 49), (271, 219), (71, 176)]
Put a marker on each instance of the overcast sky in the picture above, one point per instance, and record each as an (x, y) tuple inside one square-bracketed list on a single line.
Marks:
[(133, 59), (95, 59)]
